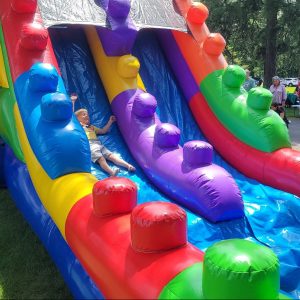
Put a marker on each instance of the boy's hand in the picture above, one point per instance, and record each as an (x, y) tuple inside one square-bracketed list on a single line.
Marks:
[(73, 97), (112, 119)]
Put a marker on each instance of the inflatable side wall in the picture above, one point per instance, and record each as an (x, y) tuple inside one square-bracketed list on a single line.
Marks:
[(197, 61)]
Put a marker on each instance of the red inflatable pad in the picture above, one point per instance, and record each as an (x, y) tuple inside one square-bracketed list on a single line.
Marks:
[(24, 6), (197, 13), (214, 44), (34, 37), (113, 196), (158, 226)]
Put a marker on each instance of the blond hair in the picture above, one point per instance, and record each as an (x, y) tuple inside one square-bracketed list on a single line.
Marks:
[(80, 111)]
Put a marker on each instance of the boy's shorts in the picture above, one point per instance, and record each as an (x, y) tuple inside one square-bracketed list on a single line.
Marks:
[(98, 150)]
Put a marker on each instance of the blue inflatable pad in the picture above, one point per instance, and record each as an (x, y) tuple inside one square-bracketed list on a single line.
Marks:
[(54, 134)]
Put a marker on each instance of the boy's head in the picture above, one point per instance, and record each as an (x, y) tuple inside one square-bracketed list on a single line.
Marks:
[(83, 116)]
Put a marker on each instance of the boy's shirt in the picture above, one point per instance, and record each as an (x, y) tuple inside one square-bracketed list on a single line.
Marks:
[(90, 131)]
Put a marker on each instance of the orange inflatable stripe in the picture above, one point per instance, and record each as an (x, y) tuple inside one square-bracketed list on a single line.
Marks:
[(207, 47), (200, 63)]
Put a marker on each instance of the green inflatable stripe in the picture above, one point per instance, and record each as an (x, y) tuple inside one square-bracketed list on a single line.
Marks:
[(246, 115), (8, 130), (186, 285), (241, 270), (232, 269)]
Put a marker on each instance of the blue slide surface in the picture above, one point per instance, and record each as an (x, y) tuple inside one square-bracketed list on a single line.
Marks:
[(271, 213)]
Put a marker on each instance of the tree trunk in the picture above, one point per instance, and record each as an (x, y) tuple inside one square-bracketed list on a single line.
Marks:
[(271, 12)]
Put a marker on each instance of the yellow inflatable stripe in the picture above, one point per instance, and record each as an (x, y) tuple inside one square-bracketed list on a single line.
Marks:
[(3, 77), (59, 195), (117, 73)]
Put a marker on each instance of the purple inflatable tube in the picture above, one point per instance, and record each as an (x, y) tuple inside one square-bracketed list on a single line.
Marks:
[(186, 173)]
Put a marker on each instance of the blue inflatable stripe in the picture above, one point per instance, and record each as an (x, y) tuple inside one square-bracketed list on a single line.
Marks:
[(55, 136), (27, 201)]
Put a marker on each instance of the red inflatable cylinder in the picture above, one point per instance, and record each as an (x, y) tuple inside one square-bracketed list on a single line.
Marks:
[(158, 226), (214, 44), (113, 196), (14, 24), (197, 13), (24, 6), (34, 37)]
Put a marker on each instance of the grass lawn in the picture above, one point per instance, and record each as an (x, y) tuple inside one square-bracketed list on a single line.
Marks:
[(290, 112), (26, 270)]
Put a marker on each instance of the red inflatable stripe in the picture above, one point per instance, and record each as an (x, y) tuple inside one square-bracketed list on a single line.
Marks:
[(27, 42), (103, 246), (280, 169)]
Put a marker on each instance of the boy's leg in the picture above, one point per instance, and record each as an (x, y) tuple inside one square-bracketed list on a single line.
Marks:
[(120, 162), (103, 164)]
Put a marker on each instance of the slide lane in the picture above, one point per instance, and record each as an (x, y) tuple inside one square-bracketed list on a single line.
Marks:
[(79, 74), (271, 213)]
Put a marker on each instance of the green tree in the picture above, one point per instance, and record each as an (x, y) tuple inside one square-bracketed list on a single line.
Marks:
[(262, 35), (271, 10)]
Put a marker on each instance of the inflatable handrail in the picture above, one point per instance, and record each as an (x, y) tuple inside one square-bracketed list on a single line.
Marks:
[(245, 113), (122, 29), (185, 173), (279, 169), (56, 137), (222, 86)]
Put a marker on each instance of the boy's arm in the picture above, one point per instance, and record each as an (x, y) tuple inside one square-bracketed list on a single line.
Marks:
[(106, 128), (73, 98)]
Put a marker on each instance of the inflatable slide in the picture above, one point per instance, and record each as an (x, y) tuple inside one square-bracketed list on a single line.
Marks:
[(105, 245)]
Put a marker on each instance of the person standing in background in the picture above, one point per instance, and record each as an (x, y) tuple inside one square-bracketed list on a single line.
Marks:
[(297, 90), (249, 82), (278, 91)]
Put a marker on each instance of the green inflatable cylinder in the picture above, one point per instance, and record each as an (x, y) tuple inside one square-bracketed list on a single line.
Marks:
[(240, 269), (259, 98)]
